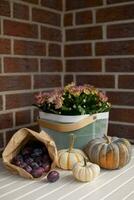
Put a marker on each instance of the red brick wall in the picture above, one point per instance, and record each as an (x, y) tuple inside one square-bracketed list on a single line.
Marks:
[(97, 37), (30, 59), (99, 50)]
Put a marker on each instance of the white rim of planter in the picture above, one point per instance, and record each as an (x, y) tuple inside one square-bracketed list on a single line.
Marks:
[(70, 118)]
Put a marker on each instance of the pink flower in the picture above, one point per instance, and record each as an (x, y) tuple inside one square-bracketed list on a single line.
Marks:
[(58, 102), (103, 97), (55, 98), (39, 98)]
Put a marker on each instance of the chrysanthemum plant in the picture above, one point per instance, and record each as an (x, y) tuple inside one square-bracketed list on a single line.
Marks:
[(73, 100)]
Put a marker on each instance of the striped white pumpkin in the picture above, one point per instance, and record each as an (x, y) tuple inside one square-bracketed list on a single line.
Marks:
[(67, 158), (85, 172)]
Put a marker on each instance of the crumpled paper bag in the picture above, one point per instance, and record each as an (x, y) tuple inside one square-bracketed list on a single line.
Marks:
[(18, 140)]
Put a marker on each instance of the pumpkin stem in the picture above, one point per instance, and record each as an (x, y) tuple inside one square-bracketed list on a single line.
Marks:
[(108, 139), (85, 162), (72, 139)]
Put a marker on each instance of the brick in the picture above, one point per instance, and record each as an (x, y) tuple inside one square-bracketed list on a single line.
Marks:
[(126, 81), (0, 26), (51, 65), (68, 19), (120, 65), (121, 98), (20, 11), (1, 140), (31, 1), (74, 50), (51, 34), (47, 17), (22, 47), (19, 100), (55, 4), (68, 79), (5, 46), (122, 115), (123, 131), (84, 17), (100, 81), (4, 8), (13, 65), (20, 29), (1, 103), (71, 5), (115, 13), (6, 120), (115, 48), (9, 135), (54, 50), (47, 81), (22, 117), (118, 1), (89, 33), (120, 30), (9, 83), (86, 65), (0, 65)]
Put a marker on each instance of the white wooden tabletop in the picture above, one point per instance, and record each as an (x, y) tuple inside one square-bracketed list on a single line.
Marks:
[(110, 185)]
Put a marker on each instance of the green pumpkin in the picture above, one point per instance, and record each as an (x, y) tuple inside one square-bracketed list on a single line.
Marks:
[(109, 152)]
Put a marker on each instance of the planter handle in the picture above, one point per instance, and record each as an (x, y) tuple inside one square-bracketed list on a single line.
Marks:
[(67, 127)]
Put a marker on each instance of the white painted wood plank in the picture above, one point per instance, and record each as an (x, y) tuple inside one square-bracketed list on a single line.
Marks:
[(7, 181), (110, 184), (25, 187), (75, 185), (46, 188), (130, 196), (81, 191), (14, 187), (11, 195), (123, 190), (4, 177), (107, 186)]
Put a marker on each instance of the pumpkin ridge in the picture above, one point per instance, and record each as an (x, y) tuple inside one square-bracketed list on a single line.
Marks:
[(80, 174), (115, 156), (126, 152), (59, 159), (102, 156), (129, 147), (109, 156), (68, 160), (77, 157), (90, 150), (91, 172)]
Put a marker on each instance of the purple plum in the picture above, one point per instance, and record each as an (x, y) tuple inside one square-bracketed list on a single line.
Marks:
[(47, 167), (34, 165), (53, 176), (36, 173), (28, 169), (29, 160), (36, 152), (17, 162), (23, 165), (46, 158)]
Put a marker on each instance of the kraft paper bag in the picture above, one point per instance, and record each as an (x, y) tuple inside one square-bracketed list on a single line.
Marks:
[(19, 139)]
